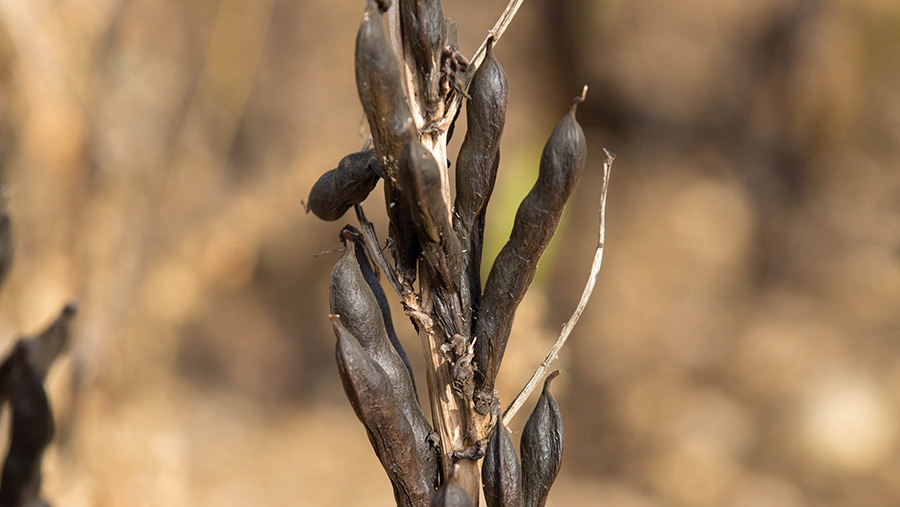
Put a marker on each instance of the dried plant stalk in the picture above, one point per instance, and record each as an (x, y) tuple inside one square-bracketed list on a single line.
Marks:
[(411, 83)]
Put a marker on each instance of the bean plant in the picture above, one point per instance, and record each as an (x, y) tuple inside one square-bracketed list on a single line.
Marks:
[(412, 81)]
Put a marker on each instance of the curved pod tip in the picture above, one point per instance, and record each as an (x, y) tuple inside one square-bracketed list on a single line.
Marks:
[(578, 100)]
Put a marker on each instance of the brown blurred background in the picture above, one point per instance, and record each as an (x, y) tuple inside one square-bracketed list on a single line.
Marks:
[(742, 348)]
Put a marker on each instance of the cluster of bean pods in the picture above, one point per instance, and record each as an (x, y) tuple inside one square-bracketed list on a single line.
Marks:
[(439, 242), (22, 375)]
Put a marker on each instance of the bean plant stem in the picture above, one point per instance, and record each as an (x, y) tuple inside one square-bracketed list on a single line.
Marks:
[(451, 418)]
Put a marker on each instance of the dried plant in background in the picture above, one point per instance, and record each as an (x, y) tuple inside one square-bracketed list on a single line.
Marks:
[(412, 80), (22, 376)]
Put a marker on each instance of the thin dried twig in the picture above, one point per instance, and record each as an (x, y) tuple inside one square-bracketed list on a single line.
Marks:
[(371, 241), (495, 33), (585, 296)]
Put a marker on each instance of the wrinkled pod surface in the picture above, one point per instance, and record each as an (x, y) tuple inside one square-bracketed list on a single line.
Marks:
[(354, 302), (369, 390)]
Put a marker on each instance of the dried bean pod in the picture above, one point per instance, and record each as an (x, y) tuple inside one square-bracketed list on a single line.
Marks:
[(542, 447), (44, 348), (6, 245), (451, 494), (500, 470), (562, 162), (380, 87), (479, 157), (340, 188), (32, 420), (10, 372), (352, 299), (370, 393), (420, 178), (30, 433), (365, 266)]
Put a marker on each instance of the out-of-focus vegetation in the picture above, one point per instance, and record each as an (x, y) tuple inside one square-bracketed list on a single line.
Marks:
[(742, 348)]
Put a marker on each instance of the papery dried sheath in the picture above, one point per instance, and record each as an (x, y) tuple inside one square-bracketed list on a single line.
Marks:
[(500, 472), (371, 395), (380, 88), (353, 301), (479, 157), (349, 183), (365, 267), (562, 162), (542, 448), (451, 494)]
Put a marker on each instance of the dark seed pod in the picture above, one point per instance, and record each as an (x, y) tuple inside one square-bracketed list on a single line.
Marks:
[(561, 165), (420, 178), (451, 494), (22, 379), (352, 299), (11, 370), (349, 183), (479, 157), (542, 448), (44, 348), (369, 273), (380, 88), (370, 393), (31, 431), (500, 470), (6, 245), (422, 23)]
